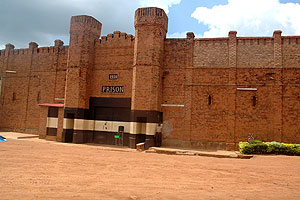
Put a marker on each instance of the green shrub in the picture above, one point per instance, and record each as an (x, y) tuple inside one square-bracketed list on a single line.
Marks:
[(256, 142), (258, 147), (291, 149), (242, 146), (276, 147)]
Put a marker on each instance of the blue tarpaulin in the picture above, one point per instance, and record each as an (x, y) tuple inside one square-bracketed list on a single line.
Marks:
[(2, 139)]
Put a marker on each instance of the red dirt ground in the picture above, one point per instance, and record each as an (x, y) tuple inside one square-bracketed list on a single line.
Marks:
[(37, 169)]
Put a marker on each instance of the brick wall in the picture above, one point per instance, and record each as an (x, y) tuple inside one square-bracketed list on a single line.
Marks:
[(39, 78), (114, 55), (177, 76), (222, 69)]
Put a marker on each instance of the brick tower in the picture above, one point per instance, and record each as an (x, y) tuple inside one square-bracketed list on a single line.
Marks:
[(84, 31), (151, 26)]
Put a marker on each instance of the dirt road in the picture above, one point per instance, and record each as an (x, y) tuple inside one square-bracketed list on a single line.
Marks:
[(37, 169)]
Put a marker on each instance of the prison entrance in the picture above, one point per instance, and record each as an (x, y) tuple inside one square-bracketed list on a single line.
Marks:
[(112, 120)]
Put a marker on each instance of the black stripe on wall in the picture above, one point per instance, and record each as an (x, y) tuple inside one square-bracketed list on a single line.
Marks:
[(110, 102), (101, 137), (51, 131), (82, 136), (113, 109), (115, 114), (52, 112), (67, 135), (77, 113), (150, 115)]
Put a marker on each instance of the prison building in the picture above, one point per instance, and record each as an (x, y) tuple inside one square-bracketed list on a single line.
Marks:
[(204, 92)]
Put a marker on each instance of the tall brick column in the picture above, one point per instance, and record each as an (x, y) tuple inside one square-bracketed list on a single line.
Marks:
[(84, 31), (277, 49), (151, 26), (188, 90), (232, 64), (279, 64)]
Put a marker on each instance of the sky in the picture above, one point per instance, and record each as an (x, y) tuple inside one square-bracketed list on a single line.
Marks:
[(43, 21)]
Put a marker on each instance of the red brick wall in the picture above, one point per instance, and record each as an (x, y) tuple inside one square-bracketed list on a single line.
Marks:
[(271, 65), (291, 89), (211, 53), (255, 52), (177, 76), (114, 55), (39, 78)]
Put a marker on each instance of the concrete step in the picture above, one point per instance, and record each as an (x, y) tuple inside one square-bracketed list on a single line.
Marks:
[(216, 154)]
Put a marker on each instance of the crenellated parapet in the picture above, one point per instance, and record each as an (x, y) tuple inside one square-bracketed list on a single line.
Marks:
[(277, 38), (212, 41), (34, 58), (291, 40), (116, 39), (255, 40), (34, 49)]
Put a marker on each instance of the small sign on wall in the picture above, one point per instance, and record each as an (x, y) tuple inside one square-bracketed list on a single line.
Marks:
[(113, 76), (113, 89)]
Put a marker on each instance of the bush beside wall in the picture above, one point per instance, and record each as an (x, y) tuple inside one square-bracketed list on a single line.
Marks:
[(258, 147)]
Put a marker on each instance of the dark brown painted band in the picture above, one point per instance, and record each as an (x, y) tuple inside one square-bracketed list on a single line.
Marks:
[(101, 137), (82, 136), (150, 115), (110, 102), (144, 116), (77, 113), (51, 131), (130, 140), (113, 109), (52, 112), (98, 102), (67, 135), (150, 141)]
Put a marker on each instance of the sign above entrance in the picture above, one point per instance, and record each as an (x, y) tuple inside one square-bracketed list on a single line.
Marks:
[(113, 76), (113, 89)]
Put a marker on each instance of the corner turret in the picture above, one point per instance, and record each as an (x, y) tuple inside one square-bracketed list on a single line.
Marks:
[(84, 32), (151, 26)]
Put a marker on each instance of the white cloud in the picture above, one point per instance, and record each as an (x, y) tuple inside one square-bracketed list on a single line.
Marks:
[(250, 18), (164, 4)]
